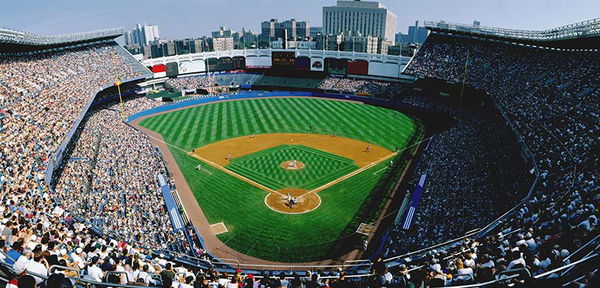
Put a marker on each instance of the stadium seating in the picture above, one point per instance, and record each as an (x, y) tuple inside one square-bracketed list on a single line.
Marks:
[(204, 81), (373, 88), (105, 220), (474, 173), (290, 82), (548, 100)]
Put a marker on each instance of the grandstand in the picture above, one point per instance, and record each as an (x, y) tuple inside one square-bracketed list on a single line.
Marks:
[(236, 79), (508, 189), (289, 82), (194, 82)]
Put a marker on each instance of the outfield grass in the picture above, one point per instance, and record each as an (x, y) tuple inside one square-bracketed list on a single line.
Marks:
[(254, 229), (201, 125)]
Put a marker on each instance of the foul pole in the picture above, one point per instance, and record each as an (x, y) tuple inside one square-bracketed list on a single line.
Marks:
[(462, 89), (118, 84)]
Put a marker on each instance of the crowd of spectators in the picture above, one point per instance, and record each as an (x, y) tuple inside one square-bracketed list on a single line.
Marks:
[(549, 100), (110, 178), (474, 173), (374, 88), (210, 80), (193, 82), (41, 97)]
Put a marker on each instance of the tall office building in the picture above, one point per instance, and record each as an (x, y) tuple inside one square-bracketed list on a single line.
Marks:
[(168, 48), (401, 38), (417, 34), (142, 35), (359, 43), (364, 17), (289, 29)]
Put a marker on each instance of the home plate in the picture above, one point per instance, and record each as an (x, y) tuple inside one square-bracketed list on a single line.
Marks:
[(365, 229), (218, 228)]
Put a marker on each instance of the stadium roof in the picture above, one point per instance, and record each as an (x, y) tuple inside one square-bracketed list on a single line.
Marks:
[(14, 41), (585, 34)]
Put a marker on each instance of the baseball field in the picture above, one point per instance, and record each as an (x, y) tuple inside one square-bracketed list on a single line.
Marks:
[(287, 179)]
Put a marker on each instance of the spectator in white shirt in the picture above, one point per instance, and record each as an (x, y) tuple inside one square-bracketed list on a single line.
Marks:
[(466, 273), (39, 266), (517, 262), (469, 262), (187, 283), (94, 272)]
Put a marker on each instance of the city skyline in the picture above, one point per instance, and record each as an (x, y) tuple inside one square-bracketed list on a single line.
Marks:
[(190, 19)]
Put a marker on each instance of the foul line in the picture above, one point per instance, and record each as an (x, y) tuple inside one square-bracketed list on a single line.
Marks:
[(318, 189), (202, 169), (235, 174), (351, 174), (374, 173)]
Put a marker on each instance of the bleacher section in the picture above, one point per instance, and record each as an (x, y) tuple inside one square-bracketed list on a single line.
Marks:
[(205, 81), (288, 82), (236, 79)]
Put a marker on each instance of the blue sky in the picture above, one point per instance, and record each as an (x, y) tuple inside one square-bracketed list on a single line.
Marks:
[(188, 18)]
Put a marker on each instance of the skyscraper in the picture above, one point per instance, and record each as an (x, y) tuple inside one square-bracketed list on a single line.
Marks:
[(364, 17), (142, 35), (290, 29), (417, 34)]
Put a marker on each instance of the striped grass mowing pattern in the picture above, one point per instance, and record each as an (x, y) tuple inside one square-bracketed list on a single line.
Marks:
[(254, 229), (263, 167), (197, 126)]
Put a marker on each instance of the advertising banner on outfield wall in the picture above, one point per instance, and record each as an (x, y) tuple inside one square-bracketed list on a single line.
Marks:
[(194, 66), (283, 60), (384, 69), (263, 61), (159, 70), (336, 66), (303, 63), (172, 69), (316, 64), (358, 67), (211, 64)]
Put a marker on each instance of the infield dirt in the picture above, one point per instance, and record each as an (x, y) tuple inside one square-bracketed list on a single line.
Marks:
[(219, 155), (341, 146)]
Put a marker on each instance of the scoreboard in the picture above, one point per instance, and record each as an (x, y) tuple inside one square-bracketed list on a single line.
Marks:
[(285, 60)]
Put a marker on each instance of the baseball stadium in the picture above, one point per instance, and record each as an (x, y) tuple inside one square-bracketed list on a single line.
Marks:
[(469, 158)]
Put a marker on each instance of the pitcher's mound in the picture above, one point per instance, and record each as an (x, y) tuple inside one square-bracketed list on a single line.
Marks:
[(292, 165), (302, 202)]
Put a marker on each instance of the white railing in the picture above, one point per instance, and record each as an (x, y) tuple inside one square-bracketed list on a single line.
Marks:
[(21, 37), (392, 59), (589, 28)]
